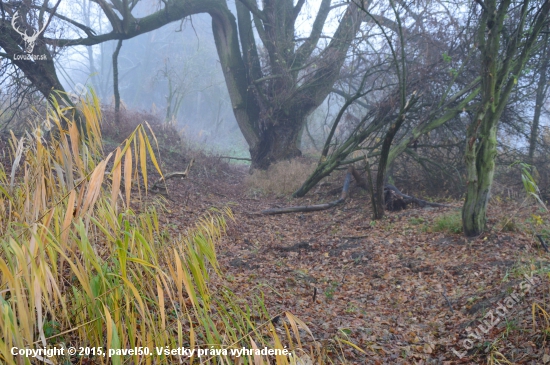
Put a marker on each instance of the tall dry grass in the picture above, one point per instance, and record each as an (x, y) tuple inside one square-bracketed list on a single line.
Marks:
[(80, 268), (282, 178)]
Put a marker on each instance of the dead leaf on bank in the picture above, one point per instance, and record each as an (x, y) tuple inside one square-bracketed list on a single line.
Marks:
[(428, 348)]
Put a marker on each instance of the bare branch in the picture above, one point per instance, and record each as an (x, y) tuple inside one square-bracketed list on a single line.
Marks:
[(253, 8), (298, 8), (89, 31), (305, 50), (110, 14)]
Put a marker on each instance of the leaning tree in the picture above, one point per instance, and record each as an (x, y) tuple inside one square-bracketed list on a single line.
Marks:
[(275, 78)]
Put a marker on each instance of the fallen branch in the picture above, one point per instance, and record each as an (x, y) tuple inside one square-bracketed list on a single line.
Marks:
[(355, 237), (156, 186), (314, 208), (236, 158)]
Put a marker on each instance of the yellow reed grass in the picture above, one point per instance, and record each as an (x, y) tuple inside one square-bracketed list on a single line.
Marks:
[(80, 268)]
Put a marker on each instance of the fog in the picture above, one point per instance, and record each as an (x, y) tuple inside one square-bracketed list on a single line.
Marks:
[(172, 72)]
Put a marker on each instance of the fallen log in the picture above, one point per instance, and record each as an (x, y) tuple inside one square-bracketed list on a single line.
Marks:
[(314, 208)]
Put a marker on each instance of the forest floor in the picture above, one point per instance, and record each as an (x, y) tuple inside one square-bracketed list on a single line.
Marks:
[(405, 290)]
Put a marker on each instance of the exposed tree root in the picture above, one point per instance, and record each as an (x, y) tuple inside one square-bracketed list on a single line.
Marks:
[(393, 198), (390, 190)]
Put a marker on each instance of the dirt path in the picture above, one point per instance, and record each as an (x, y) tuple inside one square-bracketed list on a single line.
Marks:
[(395, 289)]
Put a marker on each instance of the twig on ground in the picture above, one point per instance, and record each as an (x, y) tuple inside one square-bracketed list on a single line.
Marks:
[(355, 237), (156, 186), (544, 245)]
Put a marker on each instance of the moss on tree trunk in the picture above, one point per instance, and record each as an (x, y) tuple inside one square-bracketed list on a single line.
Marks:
[(480, 162)]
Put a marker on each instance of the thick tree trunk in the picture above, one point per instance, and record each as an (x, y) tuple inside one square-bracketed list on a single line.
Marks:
[(277, 143), (271, 109)]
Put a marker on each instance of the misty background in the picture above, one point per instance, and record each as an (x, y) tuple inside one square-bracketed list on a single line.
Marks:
[(174, 73)]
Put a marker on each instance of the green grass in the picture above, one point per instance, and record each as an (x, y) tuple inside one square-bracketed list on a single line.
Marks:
[(451, 223), (416, 221)]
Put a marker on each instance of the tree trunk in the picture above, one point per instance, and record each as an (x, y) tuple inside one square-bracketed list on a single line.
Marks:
[(542, 87), (498, 78), (277, 143), (115, 81), (271, 109), (40, 72), (480, 162)]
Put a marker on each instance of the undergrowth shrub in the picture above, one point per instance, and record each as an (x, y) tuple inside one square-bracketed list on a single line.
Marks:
[(84, 264), (282, 178)]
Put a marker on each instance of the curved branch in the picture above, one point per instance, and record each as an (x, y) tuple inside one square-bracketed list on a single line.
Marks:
[(115, 21), (348, 96), (179, 9), (89, 31)]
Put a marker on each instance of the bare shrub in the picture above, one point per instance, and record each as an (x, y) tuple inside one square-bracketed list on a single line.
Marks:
[(282, 178), (166, 133)]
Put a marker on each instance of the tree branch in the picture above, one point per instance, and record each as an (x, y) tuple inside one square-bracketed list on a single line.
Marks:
[(156, 186), (179, 9), (297, 9), (348, 96), (89, 31), (305, 50), (110, 14), (253, 8)]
